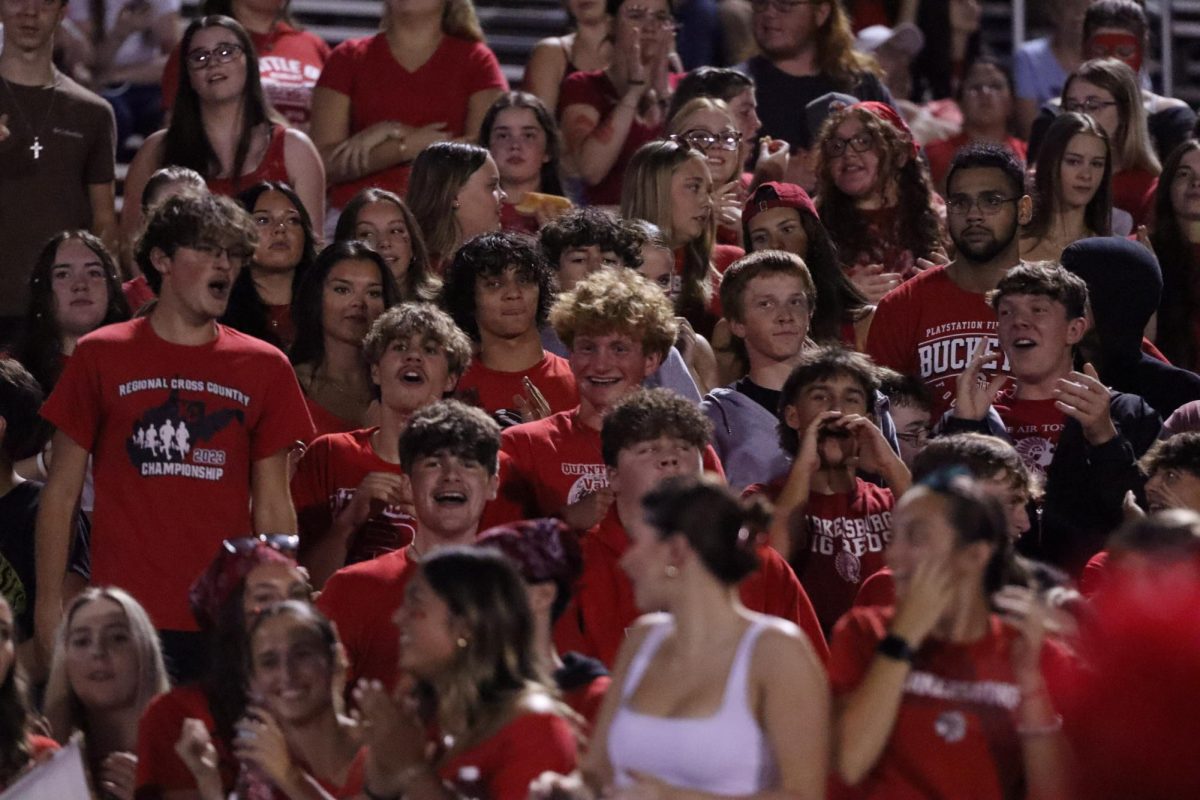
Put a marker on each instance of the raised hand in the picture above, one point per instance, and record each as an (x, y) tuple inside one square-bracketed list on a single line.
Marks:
[(973, 394), (872, 282), (929, 595), (1083, 397)]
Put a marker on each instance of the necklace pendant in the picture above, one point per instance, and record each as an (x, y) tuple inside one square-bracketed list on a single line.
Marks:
[(37, 148)]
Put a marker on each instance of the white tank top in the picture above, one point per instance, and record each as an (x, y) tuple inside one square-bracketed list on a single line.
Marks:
[(726, 753)]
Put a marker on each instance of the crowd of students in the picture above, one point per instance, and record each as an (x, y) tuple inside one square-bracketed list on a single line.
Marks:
[(827, 426)]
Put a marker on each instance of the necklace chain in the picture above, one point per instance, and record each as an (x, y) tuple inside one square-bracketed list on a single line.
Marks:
[(37, 147)]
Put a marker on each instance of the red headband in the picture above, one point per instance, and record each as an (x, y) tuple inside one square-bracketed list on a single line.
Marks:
[(889, 115)]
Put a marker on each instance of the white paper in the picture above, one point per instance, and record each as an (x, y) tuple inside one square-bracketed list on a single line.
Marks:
[(61, 778)]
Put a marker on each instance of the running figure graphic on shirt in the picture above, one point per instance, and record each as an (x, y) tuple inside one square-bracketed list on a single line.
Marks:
[(171, 431)]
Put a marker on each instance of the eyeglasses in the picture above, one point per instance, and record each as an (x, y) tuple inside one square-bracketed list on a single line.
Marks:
[(705, 140), (286, 543), (221, 54), (783, 6), (1089, 105), (988, 204), (234, 254), (638, 17), (860, 143), (916, 438)]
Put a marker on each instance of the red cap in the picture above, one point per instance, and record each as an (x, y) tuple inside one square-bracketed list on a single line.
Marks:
[(777, 195), (893, 118)]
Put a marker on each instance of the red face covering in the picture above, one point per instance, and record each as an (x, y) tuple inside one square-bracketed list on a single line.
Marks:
[(1121, 46)]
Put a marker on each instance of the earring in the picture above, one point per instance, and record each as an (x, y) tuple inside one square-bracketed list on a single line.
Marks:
[(455, 205), (671, 571), (462, 642)]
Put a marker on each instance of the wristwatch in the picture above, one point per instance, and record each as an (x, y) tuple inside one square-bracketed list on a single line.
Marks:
[(896, 648)]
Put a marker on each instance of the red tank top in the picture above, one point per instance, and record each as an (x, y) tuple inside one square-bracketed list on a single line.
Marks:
[(273, 167)]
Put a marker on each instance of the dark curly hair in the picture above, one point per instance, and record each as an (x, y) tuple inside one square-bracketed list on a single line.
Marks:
[(490, 255), (1181, 451), (819, 364), (579, 227), (649, 414), (449, 425), (917, 227), (41, 345)]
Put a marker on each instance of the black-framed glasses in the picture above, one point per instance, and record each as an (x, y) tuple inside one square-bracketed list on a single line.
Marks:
[(286, 543), (1089, 105), (835, 146), (917, 438), (706, 140), (988, 204), (783, 6), (223, 53)]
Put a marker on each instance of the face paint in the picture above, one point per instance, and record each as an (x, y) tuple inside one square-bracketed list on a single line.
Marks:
[(1122, 46)]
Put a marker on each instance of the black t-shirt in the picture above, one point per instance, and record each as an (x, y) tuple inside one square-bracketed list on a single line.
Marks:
[(767, 398), (782, 98), (18, 584)]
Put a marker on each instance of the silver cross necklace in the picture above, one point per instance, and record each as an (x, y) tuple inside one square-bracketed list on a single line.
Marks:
[(37, 147)]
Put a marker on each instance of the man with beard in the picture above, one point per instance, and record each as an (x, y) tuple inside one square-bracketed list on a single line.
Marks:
[(826, 427), (931, 326), (807, 50)]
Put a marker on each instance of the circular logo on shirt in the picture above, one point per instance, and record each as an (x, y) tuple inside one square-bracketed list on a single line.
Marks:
[(951, 726), (1036, 453), (848, 566)]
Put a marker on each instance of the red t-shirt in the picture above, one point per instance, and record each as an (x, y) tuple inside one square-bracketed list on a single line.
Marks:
[(847, 534), (361, 600), (604, 607), (929, 327), (325, 482), (493, 390), (273, 167), (137, 292), (940, 154), (159, 768), (1034, 427), (174, 431), (325, 421), (380, 89), (877, 590), (955, 733), (502, 766), (1133, 191), (595, 90), (585, 700), (289, 63), (552, 463)]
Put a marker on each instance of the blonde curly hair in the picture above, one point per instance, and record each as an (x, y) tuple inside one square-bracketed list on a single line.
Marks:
[(616, 301)]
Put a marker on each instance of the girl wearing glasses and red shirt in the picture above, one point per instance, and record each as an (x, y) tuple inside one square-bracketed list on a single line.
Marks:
[(876, 198), (223, 127)]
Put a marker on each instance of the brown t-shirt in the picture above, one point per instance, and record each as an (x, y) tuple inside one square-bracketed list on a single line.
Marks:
[(41, 196)]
